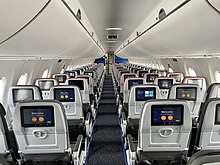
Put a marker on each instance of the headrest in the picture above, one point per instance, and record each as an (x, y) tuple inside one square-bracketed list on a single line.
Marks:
[(2, 110)]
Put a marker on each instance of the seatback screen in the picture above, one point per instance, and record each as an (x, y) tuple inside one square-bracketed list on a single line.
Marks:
[(165, 83), (71, 74), (134, 82), (64, 95), (79, 83), (78, 72), (144, 94), (176, 76), (37, 116), (45, 84), (153, 70), (217, 115), (87, 78), (141, 73), (89, 73), (22, 95), (166, 115), (195, 81), (61, 78), (151, 77), (128, 76), (188, 93)]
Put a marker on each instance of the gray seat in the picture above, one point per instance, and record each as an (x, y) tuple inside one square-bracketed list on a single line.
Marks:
[(164, 132), (177, 75), (42, 134), (139, 94), (61, 78), (207, 144), (20, 93), (70, 97), (164, 83), (45, 84)]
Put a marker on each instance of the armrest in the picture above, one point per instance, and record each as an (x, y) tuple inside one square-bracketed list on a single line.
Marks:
[(123, 116), (88, 124), (130, 143), (78, 143), (88, 117)]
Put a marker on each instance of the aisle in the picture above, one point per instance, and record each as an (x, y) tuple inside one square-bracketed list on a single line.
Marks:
[(106, 145)]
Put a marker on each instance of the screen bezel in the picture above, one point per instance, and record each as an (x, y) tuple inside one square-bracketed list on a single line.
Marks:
[(60, 76), (216, 114), (87, 73), (129, 81), (164, 80), (37, 107), (39, 81), (167, 123), (148, 77), (58, 89), (154, 90), (16, 89), (142, 72), (186, 88), (77, 85)]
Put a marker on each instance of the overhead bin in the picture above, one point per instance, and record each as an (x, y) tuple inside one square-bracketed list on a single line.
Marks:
[(191, 30), (53, 33), (146, 46), (15, 15), (215, 4)]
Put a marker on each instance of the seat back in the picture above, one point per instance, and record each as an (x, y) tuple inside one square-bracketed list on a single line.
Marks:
[(165, 128), (20, 93), (70, 97), (150, 77), (139, 94), (141, 73), (129, 82), (191, 93), (83, 86), (213, 91), (72, 74), (93, 75), (41, 130), (45, 84), (162, 73), (61, 78), (153, 70), (124, 76), (208, 137), (90, 82), (164, 83), (200, 81), (3, 131), (177, 75)]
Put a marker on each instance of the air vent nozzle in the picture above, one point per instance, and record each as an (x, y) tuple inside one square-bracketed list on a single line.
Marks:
[(112, 37)]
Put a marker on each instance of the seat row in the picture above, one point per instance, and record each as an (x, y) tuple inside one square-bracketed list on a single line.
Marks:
[(173, 131), (56, 129)]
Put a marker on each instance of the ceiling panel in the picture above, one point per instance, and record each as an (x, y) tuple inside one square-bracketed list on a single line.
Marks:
[(124, 14)]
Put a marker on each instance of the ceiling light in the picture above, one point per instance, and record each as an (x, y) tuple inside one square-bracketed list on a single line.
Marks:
[(116, 29)]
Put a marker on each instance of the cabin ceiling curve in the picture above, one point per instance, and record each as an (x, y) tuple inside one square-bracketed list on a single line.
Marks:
[(47, 29)]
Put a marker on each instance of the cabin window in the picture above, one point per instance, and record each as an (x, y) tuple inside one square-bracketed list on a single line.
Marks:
[(3, 83), (217, 76), (45, 74), (23, 79), (162, 67), (191, 72), (79, 15), (170, 70)]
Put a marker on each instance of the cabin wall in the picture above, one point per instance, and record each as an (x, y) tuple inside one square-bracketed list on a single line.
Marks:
[(206, 67), (12, 70)]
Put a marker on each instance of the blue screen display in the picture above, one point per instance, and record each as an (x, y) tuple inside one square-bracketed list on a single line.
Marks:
[(134, 82), (144, 94), (141, 73), (64, 95), (89, 73), (37, 116), (166, 115)]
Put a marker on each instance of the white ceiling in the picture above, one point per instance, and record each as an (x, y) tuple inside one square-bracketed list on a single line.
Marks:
[(125, 14)]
